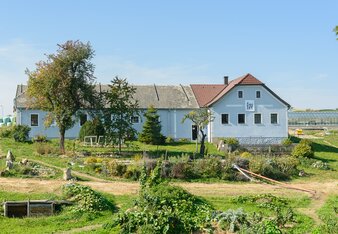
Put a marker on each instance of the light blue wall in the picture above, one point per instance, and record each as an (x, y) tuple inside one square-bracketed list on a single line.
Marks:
[(24, 118), (170, 121), (249, 132)]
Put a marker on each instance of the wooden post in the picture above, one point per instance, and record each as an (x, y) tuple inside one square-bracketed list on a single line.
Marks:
[(28, 209), (5, 209)]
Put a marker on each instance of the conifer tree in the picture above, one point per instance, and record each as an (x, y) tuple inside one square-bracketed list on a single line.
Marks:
[(151, 133)]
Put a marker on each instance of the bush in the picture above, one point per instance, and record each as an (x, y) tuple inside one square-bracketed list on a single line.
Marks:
[(132, 172), (246, 155), (21, 133), (303, 149), (6, 131), (44, 149), (287, 142), (91, 128), (232, 142), (115, 168), (209, 168), (40, 138), (87, 200), (169, 140)]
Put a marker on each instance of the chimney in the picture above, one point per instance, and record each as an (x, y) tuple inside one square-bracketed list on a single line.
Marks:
[(226, 80)]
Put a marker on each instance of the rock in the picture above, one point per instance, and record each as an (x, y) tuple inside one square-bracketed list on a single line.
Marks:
[(10, 156), (9, 165), (24, 161), (67, 174)]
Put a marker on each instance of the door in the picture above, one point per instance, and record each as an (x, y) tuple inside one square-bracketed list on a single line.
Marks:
[(194, 132)]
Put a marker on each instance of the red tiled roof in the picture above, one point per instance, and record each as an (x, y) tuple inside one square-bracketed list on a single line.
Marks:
[(204, 93), (207, 95)]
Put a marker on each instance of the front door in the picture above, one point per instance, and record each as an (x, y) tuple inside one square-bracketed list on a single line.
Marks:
[(194, 132)]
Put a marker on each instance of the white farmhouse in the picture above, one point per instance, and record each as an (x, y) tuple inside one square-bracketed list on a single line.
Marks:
[(243, 108)]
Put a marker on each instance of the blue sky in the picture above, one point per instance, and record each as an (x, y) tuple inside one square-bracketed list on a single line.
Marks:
[(288, 45)]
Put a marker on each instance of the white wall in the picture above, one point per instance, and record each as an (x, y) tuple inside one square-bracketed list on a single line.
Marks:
[(232, 105)]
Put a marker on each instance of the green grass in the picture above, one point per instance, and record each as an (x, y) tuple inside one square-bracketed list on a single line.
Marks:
[(65, 220)]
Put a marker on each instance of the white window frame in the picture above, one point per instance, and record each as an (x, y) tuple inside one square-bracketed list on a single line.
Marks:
[(30, 124), (260, 94), (138, 119), (244, 118), (238, 94), (261, 119), (271, 118), (228, 118)]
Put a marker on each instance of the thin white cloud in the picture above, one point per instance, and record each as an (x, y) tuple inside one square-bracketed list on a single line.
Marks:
[(108, 67)]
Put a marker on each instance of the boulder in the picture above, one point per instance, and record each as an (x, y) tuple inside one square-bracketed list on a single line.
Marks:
[(67, 174), (10, 156)]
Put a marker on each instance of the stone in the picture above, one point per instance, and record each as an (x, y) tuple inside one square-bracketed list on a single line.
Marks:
[(67, 174), (9, 165), (10, 156), (24, 161)]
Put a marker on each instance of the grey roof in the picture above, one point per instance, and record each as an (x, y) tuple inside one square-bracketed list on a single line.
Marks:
[(160, 96)]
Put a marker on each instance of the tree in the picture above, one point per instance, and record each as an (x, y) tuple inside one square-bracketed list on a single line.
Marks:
[(121, 108), (336, 31), (201, 118), (151, 133), (63, 85)]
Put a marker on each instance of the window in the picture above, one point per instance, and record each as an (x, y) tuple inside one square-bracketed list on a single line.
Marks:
[(83, 119), (274, 118), (225, 118), (34, 120), (258, 94), (241, 118), (135, 119), (240, 94), (258, 118)]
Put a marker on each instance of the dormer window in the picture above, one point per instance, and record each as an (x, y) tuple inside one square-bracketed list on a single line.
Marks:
[(258, 94), (240, 94)]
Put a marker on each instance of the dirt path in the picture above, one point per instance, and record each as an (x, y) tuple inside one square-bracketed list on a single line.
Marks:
[(81, 229)]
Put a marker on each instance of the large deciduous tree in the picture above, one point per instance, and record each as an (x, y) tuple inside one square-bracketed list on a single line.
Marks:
[(201, 118), (63, 85), (120, 108)]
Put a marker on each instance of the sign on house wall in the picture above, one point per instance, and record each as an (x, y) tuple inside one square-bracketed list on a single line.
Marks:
[(249, 105)]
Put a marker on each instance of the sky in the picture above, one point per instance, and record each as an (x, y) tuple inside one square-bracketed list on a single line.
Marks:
[(289, 45)]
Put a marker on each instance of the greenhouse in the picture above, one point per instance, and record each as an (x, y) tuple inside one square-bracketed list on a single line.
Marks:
[(315, 118)]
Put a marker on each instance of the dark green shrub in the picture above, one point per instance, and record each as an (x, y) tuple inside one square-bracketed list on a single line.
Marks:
[(232, 142), (91, 128), (86, 199), (303, 149), (21, 133)]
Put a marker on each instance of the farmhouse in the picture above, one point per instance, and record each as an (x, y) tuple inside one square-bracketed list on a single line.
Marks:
[(244, 108)]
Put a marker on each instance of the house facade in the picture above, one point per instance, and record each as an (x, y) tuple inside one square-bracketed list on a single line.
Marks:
[(243, 108)]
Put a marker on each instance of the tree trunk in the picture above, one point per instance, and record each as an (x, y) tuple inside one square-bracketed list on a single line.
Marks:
[(202, 148), (62, 140), (120, 142)]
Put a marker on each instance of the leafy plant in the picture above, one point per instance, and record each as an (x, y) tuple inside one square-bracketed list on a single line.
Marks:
[(287, 142), (21, 132), (151, 133), (86, 199), (162, 208), (303, 149)]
